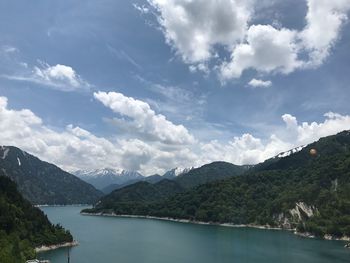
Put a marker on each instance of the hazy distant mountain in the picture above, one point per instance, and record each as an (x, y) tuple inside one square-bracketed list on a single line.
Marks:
[(101, 178), (44, 183), (171, 174), (150, 179)]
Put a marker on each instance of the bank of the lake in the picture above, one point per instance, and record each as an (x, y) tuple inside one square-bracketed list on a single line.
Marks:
[(130, 240), (187, 221), (57, 246)]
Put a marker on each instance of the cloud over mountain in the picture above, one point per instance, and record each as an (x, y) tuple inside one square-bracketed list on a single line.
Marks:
[(76, 148)]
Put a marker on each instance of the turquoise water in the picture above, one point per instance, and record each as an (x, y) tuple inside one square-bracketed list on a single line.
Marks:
[(111, 239)]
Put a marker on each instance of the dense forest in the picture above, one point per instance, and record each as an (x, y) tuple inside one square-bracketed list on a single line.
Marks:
[(308, 190), (23, 227), (209, 173)]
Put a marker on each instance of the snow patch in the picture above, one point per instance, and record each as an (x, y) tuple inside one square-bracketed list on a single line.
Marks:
[(106, 172), (292, 151), (178, 170), (19, 161), (5, 153)]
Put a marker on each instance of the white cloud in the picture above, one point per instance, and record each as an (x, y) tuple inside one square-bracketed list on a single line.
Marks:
[(324, 21), (256, 83), (141, 8), (197, 30), (58, 73), (193, 28), (60, 77), (76, 148), (143, 119), (247, 149), (267, 50)]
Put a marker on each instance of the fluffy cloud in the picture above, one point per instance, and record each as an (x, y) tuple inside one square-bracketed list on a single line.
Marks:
[(69, 148), (76, 148), (193, 28), (247, 149), (267, 50), (256, 83), (60, 77), (324, 21), (143, 119)]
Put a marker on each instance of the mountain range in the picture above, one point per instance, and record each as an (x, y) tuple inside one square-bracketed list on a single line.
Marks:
[(109, 179), (143, 193), (101, 178), (306, 189)]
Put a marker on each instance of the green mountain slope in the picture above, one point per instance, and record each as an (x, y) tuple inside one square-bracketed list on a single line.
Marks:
[(310, 192), (44, 183), (23, 227), (133, 198), (209, 173)]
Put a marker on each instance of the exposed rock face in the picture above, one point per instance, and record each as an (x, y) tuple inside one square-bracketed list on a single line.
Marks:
[(299, 213), (301, 210)]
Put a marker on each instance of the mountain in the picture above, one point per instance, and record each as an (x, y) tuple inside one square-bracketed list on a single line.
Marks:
[(102, 178), (171, 174), (22, 226), (135, 196), (44, 183), (143, 189), (307, 190), (150, 179), (208, 173)]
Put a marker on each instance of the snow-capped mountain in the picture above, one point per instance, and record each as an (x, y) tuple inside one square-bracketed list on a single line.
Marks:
[(171, 174), (101, 178)]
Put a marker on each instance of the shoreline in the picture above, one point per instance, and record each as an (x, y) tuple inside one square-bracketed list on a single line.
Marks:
[(48, 205), (187, 221), (40, 249)]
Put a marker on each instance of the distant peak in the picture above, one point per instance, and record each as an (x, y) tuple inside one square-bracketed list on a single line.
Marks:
[(114, 172)]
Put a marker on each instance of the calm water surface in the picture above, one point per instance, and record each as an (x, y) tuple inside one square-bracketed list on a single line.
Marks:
[(124, 240)]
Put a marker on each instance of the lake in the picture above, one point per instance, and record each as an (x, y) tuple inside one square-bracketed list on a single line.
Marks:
[(132, 240)]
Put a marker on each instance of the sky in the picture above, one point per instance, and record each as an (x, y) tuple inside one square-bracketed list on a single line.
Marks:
[(153, 85)]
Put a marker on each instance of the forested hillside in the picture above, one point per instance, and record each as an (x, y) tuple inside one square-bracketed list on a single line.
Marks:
[(308, 190), (23, 227), (44, 183)]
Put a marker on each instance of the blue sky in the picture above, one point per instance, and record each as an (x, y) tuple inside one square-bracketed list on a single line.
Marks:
[(150, 85)]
